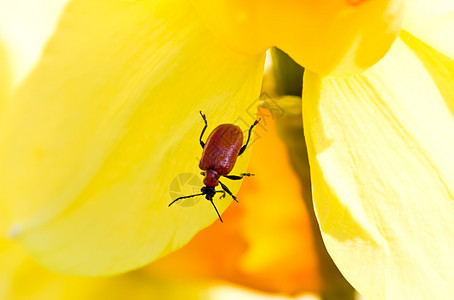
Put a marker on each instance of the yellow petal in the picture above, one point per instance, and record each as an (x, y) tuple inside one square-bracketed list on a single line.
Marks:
[(25, 27), (439, 66), (324, 36), (380, 149), (22, 278), (106, 121), (5, 77), (432, 22)]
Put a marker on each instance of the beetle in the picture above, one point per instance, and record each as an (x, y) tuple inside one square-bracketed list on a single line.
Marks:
[(222, 148)]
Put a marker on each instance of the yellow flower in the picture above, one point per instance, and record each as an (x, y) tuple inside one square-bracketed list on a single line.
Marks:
[(92, 138), (241, 251)]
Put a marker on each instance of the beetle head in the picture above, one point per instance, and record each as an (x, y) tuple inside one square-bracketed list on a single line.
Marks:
[(209, 192)]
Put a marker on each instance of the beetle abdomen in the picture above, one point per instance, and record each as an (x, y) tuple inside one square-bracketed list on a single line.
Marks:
[(221, 149)]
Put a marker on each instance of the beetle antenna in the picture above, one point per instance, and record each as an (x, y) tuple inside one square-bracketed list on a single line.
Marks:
[(184, 197), (216, 211)]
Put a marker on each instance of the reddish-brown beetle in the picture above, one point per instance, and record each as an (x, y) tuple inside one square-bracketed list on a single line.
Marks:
[(219, 155)]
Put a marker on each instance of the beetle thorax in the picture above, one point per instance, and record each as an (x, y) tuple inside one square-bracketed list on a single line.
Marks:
[(211, 178)]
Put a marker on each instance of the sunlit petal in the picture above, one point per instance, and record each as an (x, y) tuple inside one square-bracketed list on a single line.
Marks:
[(439, 66), (25, 27), (432, 22), (105, 122), (381, 147)]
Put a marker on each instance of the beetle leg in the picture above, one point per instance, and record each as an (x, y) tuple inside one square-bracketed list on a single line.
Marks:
[(184, 197), (248, 137), (225, 188), (237, 177), (216, 211), (203, 130), (223, 194)]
